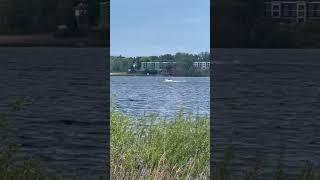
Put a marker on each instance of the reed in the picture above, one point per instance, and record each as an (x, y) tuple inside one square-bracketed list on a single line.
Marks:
[(152, 147)]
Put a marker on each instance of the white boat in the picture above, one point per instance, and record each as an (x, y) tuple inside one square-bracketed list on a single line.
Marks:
[(168, 80)]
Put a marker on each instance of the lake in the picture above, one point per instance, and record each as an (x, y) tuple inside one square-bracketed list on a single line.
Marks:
[(65, 124), (268, 102), (139, 95)]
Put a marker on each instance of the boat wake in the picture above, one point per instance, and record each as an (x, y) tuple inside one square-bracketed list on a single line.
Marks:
[(176, 81)]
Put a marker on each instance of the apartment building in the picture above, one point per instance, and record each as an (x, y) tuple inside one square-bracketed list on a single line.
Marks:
[(201, 65), (156, 66), (292, 10)]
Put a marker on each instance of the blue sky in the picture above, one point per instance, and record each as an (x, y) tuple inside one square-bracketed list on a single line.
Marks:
[(155, 27)]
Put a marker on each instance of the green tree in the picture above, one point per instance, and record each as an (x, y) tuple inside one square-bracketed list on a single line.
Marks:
[(121, 64), (184, 64), (166, 57)]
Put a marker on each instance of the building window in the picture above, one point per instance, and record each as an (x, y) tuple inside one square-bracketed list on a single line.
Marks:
[(301, 10), (267, 10), (301, 13), (313, 10), (289, 10), (276, 10), (310, 9), (301, 7), (276, 14)]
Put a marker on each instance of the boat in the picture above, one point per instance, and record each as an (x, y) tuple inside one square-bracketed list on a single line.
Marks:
[(168, 80)]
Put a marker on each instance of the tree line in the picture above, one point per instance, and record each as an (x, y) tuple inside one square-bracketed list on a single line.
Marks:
[(32, 16), (184, 63)]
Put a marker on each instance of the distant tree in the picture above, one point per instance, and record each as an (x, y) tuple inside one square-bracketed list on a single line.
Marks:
[(121, 64), (166, 57), (145, 59), (154, 58), (184, 64), (204, 56)]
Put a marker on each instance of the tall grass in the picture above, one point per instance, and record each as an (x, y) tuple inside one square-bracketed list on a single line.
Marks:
[(157, 148)]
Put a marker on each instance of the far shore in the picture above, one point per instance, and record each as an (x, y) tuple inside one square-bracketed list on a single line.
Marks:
[(129, 74), (142, 74), (118, 74), (48, 39)]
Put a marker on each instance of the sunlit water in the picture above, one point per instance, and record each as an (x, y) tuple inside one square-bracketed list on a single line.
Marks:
[(139, 95)]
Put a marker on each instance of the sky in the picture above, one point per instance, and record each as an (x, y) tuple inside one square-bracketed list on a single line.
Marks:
[(157, 27)]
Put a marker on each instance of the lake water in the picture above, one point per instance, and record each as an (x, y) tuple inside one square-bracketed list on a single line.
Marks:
[(139, 95), (268, 102), (65, 126)]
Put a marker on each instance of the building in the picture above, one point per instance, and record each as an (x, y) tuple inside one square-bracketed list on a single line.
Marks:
[(292, 10), (156, 66), (163, 66), (201, 65)]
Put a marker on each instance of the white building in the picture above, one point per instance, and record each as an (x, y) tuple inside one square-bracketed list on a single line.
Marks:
[(156, 66), (201, 65), (292, 10)]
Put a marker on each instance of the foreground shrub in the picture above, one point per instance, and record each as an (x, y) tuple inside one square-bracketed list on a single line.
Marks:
[(158, 148)]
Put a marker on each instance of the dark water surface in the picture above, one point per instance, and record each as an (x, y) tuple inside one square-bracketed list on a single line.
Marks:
[(268, 102), (140, 95), (65, 126)]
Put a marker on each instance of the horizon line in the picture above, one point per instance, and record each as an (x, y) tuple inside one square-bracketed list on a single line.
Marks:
[(162, 54)]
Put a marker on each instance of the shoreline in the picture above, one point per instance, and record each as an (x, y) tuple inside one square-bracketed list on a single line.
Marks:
[(119, 74), (139, 74), (48, 40)]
